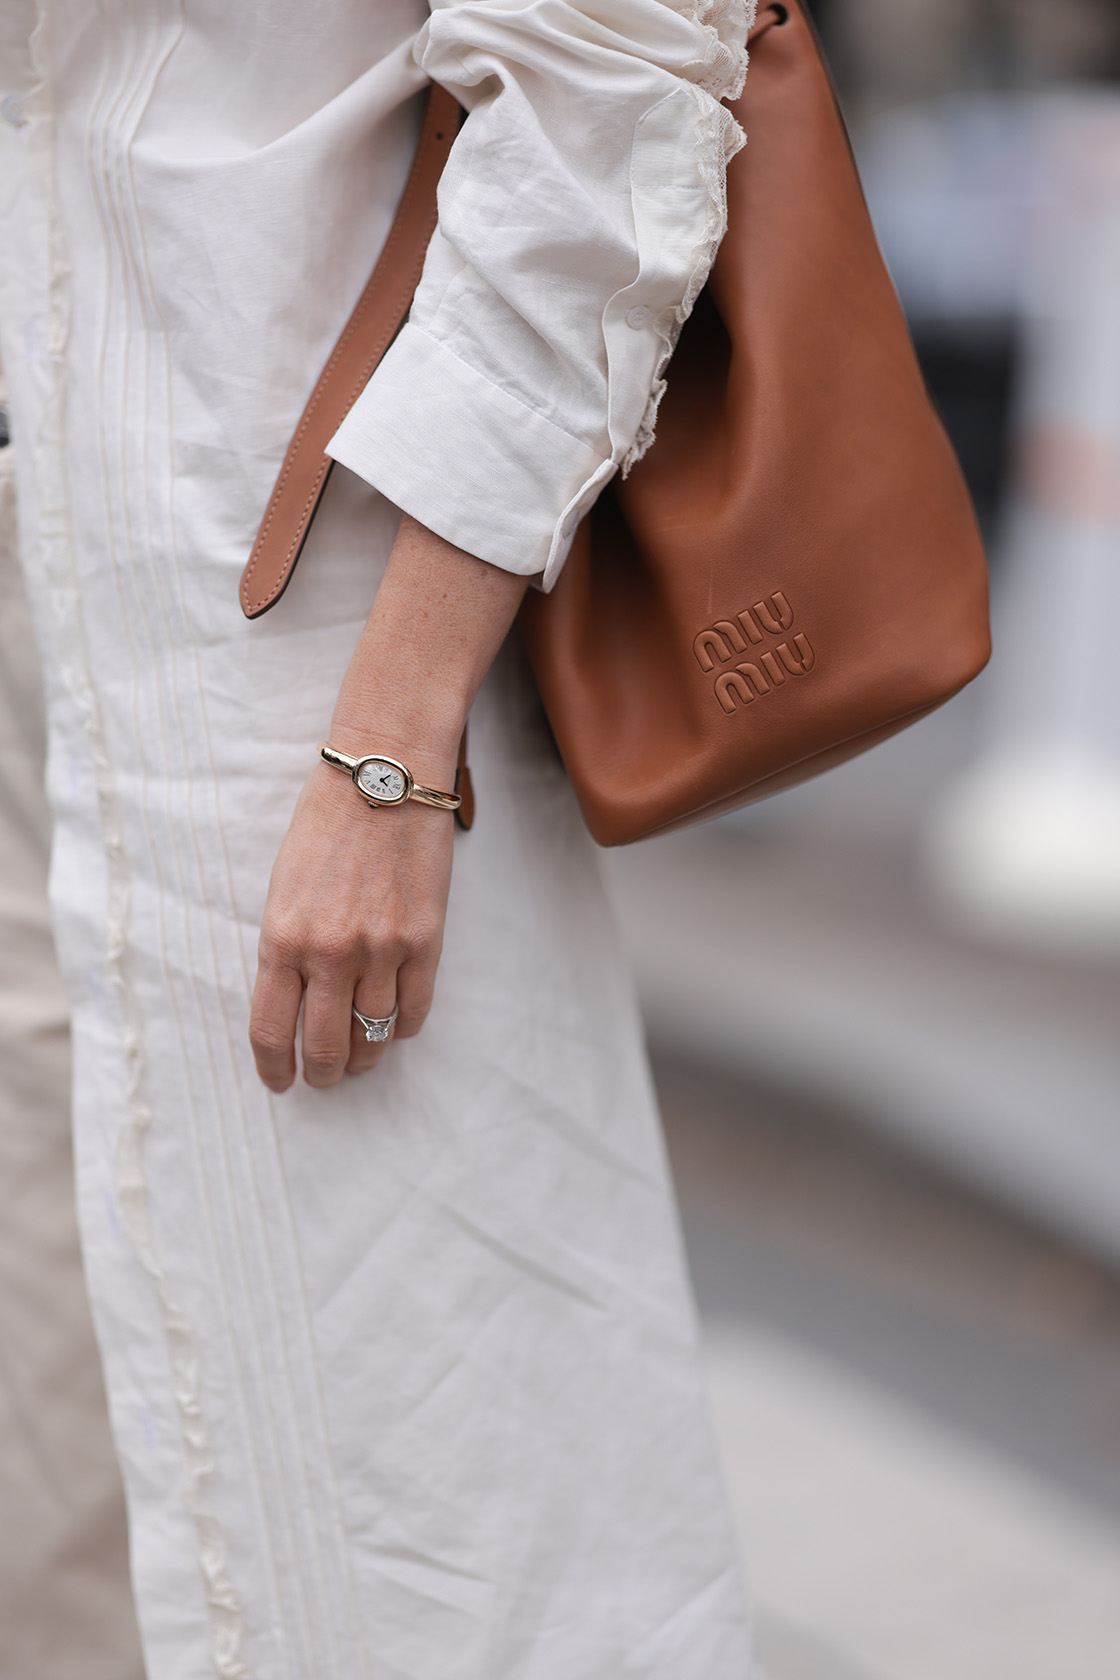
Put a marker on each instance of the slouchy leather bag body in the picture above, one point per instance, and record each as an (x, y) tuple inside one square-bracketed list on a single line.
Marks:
[(793, 572)]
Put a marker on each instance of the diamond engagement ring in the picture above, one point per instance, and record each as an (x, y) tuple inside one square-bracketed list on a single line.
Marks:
[(377, 1029)]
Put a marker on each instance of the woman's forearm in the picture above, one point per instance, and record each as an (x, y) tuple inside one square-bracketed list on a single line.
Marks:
[(439, 618), (357, 898)]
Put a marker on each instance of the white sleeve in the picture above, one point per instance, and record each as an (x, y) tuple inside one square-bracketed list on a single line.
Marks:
[(579, 213)]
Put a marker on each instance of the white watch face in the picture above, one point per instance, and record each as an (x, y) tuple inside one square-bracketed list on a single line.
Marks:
[(381, 781)]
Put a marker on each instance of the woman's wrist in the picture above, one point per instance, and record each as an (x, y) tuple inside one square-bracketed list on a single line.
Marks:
[(422, 733), (437, 622)]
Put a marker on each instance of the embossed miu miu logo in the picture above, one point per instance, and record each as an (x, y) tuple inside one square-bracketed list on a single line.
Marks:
[(765, 670)]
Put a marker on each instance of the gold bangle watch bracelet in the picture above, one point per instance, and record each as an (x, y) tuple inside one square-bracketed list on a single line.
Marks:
[(385, 781)]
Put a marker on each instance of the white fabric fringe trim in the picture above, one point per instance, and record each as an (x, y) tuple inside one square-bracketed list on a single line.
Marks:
[(56, 552), (717, 138)]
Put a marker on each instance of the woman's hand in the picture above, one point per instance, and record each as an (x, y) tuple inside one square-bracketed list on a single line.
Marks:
[(356, 903), (354, 917)]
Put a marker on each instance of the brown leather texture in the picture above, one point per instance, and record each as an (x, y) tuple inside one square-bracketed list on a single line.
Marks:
[(368, 333), (793, 572), (464, 787)]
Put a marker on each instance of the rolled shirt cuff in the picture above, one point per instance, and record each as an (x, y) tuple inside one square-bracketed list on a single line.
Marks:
[(468, 460)]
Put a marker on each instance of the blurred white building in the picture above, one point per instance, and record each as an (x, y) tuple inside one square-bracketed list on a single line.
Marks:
[(1028, 842), (997, 209)]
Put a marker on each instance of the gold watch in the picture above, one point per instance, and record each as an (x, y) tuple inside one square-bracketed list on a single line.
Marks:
[(385, 781)]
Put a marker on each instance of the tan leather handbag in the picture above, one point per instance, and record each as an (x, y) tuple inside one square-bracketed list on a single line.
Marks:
[(793, 572)]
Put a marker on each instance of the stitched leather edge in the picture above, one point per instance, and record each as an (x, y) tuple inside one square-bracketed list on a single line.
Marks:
[(440, 121)]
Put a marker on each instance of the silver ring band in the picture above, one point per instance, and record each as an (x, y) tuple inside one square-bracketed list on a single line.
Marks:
[(377, 1028)]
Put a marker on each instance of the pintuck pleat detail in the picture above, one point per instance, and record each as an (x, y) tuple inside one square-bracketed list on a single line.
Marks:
[(56, 549), (299, 1526)]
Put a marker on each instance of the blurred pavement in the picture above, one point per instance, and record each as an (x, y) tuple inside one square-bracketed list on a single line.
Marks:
[(918, 1399), (815, 960)]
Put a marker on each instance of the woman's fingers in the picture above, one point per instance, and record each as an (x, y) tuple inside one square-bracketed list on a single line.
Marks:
[(272, 1020), (410, 993), (355, 910), (326, 1028), (415, 984), (374, 970), (377, 968), (376, 1000)]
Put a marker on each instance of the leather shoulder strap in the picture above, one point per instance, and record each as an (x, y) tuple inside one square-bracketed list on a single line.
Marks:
[(376, 319)]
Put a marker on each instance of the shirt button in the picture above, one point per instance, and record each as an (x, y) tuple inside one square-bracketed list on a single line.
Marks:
[(11, 109), (639, 317)]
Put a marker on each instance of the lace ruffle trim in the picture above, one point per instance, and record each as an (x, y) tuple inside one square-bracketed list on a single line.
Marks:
[(723, 68), (717, 139)]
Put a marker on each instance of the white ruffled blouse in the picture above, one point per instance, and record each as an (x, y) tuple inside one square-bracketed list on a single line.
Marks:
[(579, 213)]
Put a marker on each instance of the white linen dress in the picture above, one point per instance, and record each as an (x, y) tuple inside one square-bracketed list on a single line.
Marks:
[(403, 1374)]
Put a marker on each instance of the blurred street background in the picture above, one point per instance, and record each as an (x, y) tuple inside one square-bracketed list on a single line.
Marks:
[(886, 1007)]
